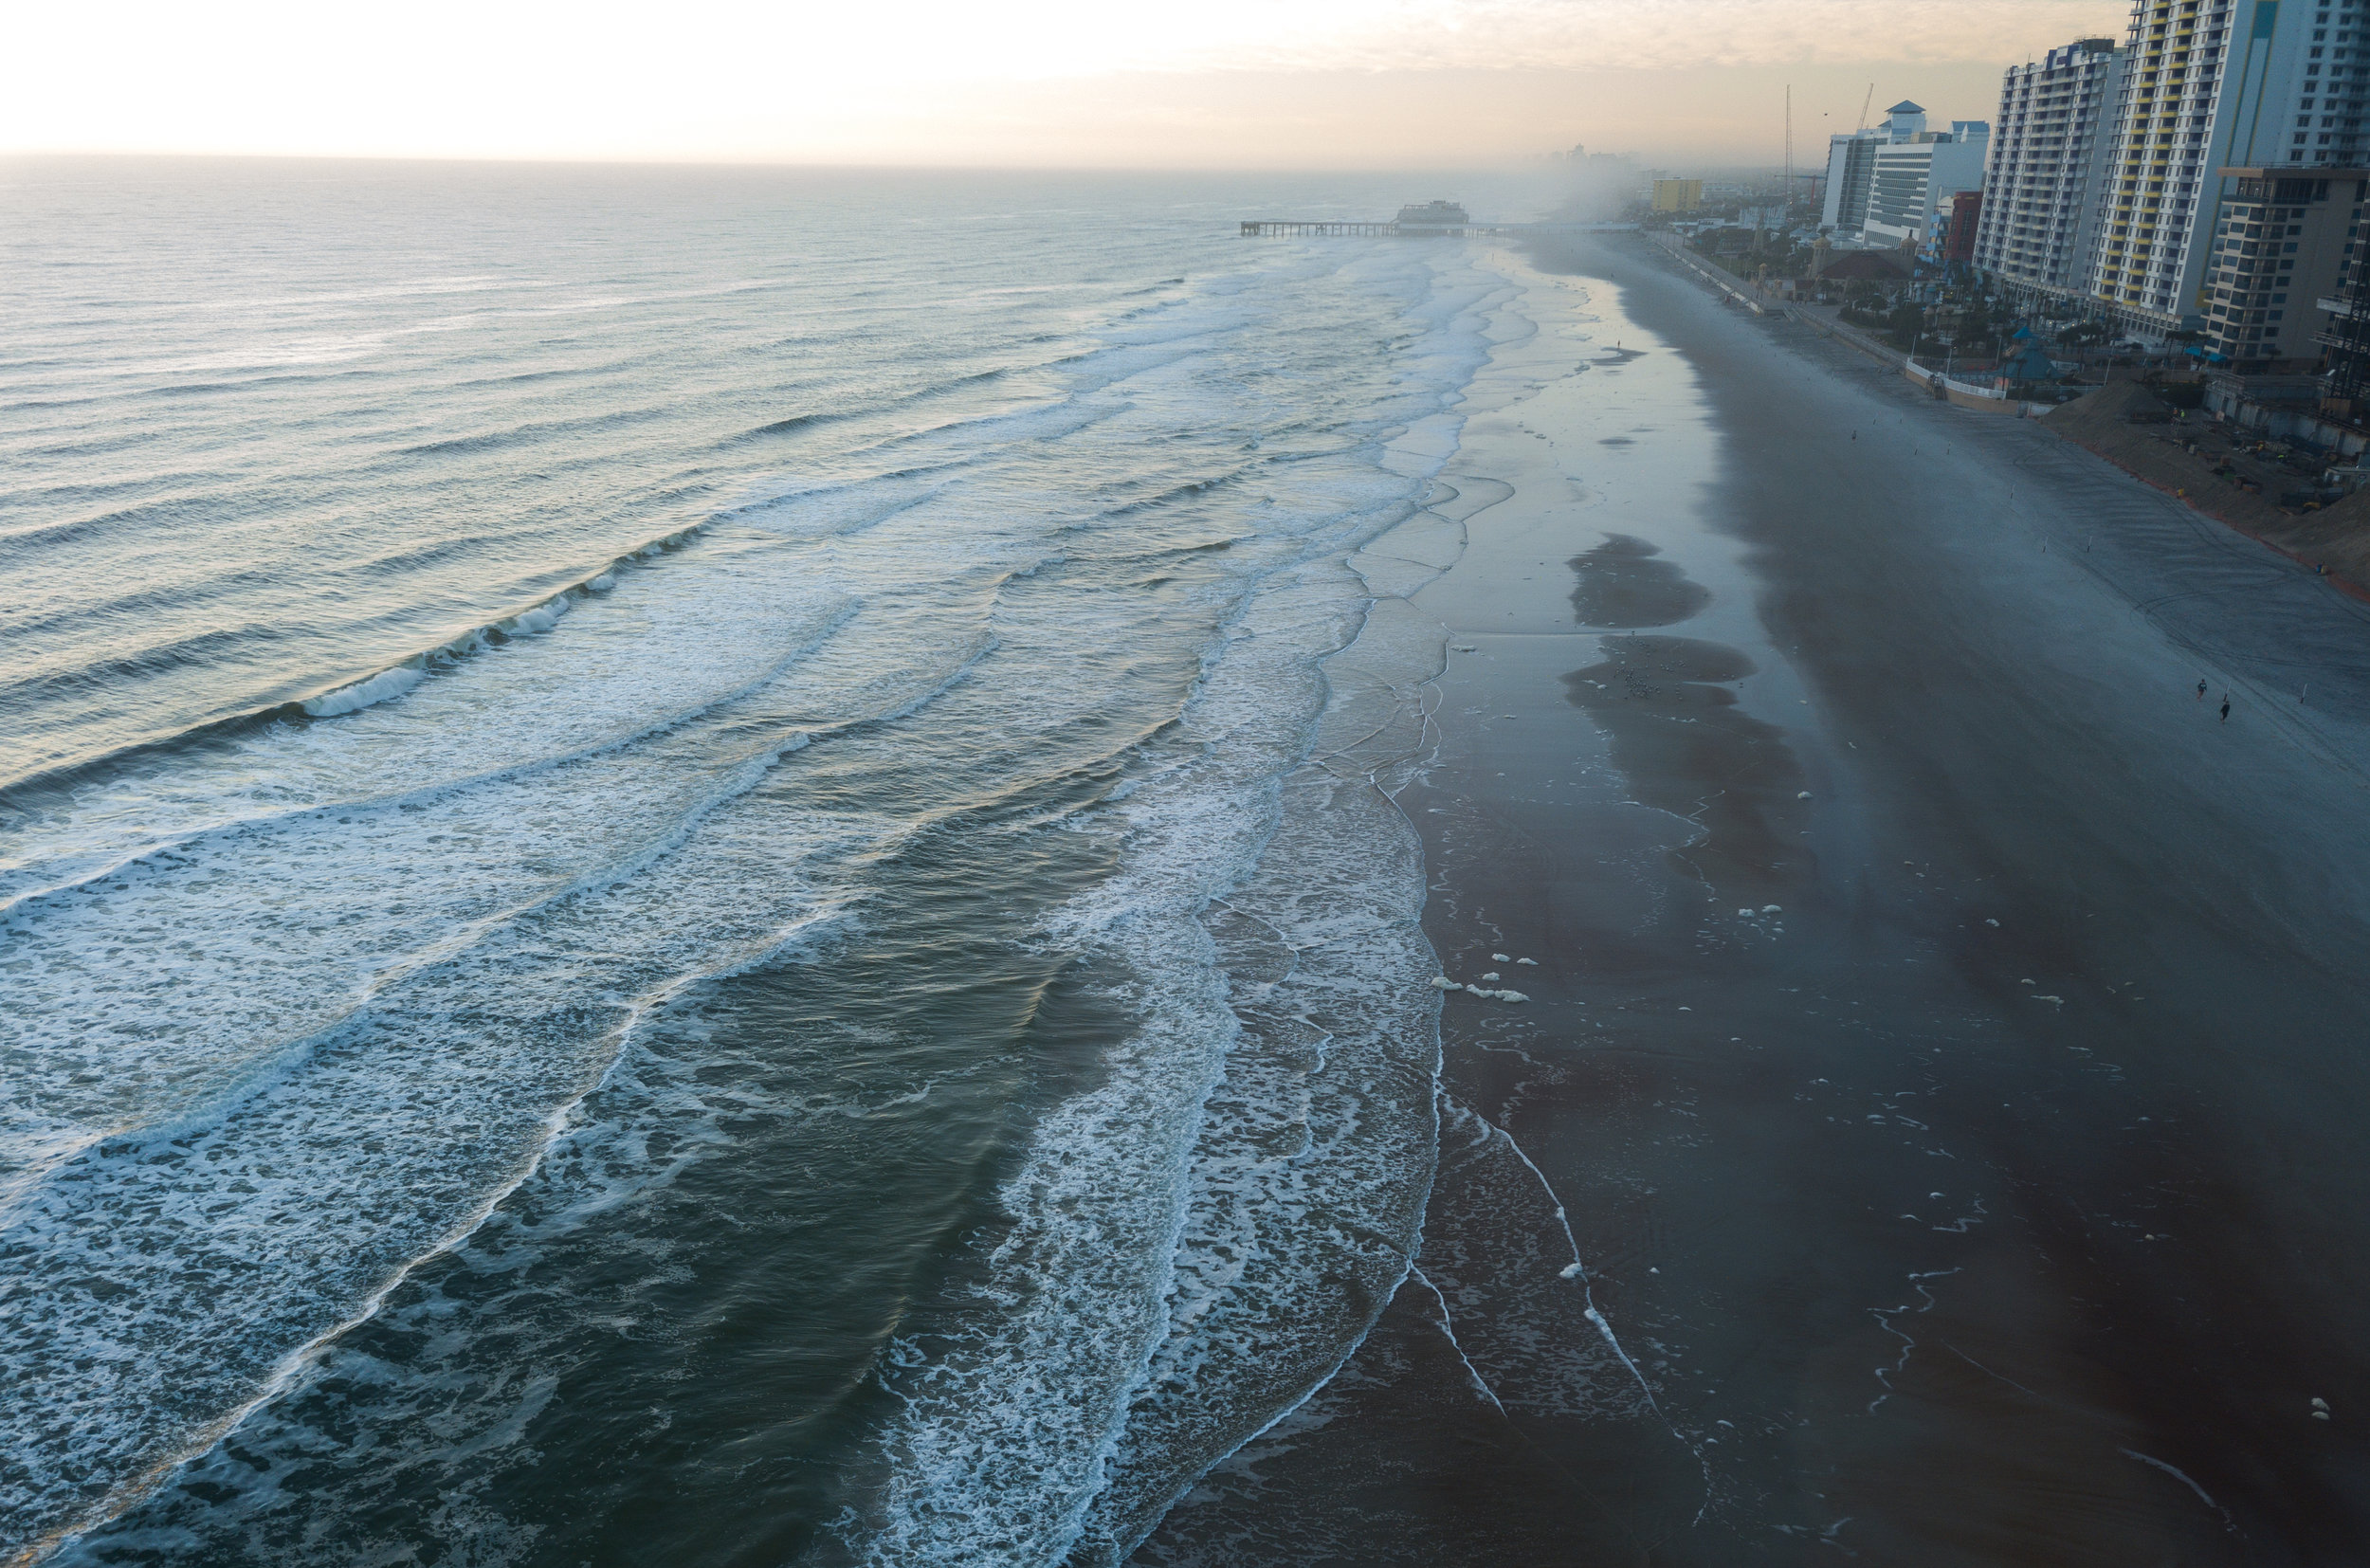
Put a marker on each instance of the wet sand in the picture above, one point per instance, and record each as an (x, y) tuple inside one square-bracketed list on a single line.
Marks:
[(1946, 1056)]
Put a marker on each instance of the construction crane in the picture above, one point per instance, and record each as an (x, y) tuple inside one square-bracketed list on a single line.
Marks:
[(1863, 105)]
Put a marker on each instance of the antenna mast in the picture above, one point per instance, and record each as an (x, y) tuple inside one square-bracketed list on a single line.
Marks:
[(1788, 187)]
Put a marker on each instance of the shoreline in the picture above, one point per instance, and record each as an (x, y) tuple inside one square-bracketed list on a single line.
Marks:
[(1905, 1109)]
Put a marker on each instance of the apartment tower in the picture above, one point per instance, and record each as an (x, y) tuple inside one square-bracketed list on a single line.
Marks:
[(2210, 84), (2043, 193)]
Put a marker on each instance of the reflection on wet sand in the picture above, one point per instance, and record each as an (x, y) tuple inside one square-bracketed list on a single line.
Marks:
[(1681, 741), (1624, 583)]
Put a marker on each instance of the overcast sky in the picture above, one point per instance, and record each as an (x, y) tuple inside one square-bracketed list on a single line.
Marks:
[(1304, 84)]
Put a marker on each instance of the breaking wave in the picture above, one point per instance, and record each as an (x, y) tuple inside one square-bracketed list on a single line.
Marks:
[(1092, 679)]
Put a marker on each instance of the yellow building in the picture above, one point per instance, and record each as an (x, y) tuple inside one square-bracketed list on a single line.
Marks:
[(1678, 195), (2218, 85), (2173, 124)]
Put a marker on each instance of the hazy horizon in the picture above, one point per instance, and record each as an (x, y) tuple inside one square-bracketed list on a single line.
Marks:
[(1365, 85), (908, 786)]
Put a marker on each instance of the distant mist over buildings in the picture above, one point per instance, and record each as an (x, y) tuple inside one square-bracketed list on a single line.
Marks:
[(1351, 84)]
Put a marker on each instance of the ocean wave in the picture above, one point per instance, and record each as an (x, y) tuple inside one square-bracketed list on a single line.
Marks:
[(151, 1392), (426, 924), (363, 845), (478, 1046), (196, 648), (527, 622), (1190, 490), (709, 652), (526, 434), (379, 688), (836, 509), (87, 490), (1232, 1245), (1048, 420), (66, 530), (919, 397), (1027, 1439)]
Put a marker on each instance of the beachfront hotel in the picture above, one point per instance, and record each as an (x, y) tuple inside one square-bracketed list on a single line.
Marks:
[(1885, 184), (2209, 85), (1910, 182), (2041, 195)]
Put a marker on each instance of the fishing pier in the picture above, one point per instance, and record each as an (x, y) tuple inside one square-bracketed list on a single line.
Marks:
[(1276, 228), (1434, 217), (1265, 228)]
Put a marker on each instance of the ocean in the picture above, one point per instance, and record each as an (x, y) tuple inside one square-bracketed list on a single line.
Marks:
[(701, 864)]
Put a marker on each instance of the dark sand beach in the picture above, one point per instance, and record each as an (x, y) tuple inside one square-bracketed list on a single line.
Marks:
[(1947, 1051)]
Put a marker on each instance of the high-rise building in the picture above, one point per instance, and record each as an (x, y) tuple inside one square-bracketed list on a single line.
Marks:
[(2173, 128), (2210, 84), (1599, 184), (1885, 186), (1851, 165), (2049, 156), (1913, 181), (2284, 244)]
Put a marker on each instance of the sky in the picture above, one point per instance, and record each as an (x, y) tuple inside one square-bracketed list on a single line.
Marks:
[(1211, 83)]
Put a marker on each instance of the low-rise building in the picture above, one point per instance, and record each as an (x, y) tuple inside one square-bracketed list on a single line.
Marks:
[(1888, 268), (1959, 227), (1678, 195), (1432, 214)]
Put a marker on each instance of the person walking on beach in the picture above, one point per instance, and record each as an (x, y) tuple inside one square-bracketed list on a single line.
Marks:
[(2225, 707), (2202, 691)]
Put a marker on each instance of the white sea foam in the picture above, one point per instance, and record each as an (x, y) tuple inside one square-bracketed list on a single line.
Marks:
[(1009, 1437), (540, 619), (365, 983), (424, 928), (379, 688), (468, 950), (664, 646), (1200, 1240)]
